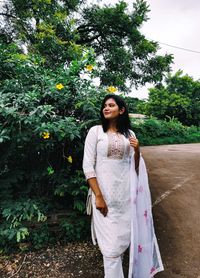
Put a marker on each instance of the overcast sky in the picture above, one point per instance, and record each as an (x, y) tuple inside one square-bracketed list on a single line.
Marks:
[(174, 22), (177, 23)]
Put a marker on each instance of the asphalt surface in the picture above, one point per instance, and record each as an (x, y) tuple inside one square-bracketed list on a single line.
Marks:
[(174, 177)]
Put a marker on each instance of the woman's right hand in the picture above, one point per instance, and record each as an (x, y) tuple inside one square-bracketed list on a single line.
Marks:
[(101, 205)]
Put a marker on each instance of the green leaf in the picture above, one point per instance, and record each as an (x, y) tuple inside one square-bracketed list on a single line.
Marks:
[(50, 170)]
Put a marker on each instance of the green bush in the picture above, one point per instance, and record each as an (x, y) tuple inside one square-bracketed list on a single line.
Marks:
[(44, 118), (41, 236), (17, 216), (75, 227), (158, 132)]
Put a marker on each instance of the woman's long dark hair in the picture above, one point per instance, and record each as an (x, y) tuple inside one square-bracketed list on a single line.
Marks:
[(123, 121)]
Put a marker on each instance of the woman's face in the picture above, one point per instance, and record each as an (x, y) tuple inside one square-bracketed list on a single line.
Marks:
[(111, 109)]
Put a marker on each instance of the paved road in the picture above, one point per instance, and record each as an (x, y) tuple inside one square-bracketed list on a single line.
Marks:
[(174, 175)]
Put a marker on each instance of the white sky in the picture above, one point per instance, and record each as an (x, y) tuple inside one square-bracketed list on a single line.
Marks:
[(174, 22)]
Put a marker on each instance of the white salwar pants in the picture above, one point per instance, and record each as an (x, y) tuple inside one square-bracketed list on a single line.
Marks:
[(113, 267)]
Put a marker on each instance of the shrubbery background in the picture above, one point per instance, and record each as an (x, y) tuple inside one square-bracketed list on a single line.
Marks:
[(44, 115), (158, 132)]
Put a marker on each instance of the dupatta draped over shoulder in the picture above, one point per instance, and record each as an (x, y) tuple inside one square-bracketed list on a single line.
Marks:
[(145, 260)]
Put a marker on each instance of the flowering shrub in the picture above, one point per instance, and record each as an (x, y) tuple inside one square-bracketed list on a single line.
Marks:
[(44, 117)]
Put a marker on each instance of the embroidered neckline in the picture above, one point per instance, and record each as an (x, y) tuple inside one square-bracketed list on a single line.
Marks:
[(116, 145)]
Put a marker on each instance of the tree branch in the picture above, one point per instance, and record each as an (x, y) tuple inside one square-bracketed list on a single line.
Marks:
[(9, 15), (88, 40)]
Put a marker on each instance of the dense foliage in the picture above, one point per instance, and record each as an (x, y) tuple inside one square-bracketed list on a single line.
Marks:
[(179, 97), (158, 132), (44, 116), (58, 30), (133, 104)]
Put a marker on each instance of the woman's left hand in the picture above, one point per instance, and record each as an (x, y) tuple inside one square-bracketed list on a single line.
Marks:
[(134, 143)]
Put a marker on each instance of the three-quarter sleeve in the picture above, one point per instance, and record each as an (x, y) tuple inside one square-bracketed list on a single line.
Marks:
[(89, 157)]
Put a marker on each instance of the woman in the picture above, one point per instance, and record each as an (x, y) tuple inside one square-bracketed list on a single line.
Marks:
[(121, 205)]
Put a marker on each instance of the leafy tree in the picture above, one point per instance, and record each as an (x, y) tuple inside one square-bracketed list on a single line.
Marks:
[(43, 26), (133, 104), (59, 30), (179, 98), (125, 53)]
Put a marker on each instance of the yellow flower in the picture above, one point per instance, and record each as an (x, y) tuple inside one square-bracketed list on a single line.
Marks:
[(111, 89), (69, 158), (45, 135), (89, 67), (59, 86)]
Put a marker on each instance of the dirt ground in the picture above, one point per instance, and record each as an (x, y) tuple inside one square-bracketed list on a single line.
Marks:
[(174, 175)]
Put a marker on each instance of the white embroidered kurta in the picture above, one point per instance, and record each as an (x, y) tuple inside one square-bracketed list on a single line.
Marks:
[(109, 158)]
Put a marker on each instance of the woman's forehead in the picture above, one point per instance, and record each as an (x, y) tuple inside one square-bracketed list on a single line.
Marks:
[(110, 100)]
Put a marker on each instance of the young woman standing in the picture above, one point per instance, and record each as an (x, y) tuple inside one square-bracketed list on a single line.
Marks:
[(121, 205)]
